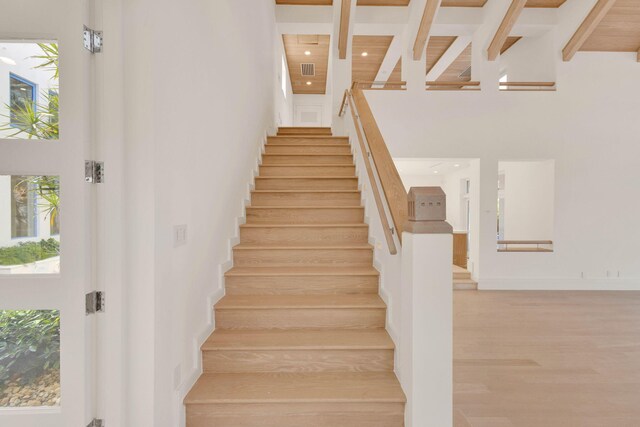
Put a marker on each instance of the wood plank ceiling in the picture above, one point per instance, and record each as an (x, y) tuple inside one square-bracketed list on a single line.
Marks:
[(305, 2), (481, 3), (383, 2), (459, 69), (295, 46), (619, 30), (445, 3), (365, 68)]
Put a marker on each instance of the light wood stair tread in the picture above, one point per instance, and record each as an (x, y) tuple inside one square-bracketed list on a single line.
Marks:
[(302, 165), (305, 191), (296, 388), (306, 245), (306, 207), (303, 271), (321, 339), (308, 177), (253, 302), (276, 225)]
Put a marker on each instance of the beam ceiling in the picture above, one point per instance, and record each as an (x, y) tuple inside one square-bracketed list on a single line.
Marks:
[(295, 46), (365, 68), (618, 31)]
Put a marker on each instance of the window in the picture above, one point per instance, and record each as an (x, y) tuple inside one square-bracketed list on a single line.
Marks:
[(22, 98), (24, 208), (283, 78)]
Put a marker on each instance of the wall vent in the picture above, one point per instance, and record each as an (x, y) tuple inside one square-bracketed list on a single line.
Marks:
[(308, 69)]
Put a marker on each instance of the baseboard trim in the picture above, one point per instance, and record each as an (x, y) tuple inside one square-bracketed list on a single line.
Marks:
[(559, 284)]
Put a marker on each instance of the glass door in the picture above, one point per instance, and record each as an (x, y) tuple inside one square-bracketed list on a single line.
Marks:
[(45, 215)]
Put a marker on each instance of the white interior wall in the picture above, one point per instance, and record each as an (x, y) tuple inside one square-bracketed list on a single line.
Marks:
[(194, 170), (323, 102), (283, 100), (529, 200), (531, 59), (584, 127)]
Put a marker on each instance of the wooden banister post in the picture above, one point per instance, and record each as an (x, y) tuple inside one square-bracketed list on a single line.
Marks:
[(426, 366)]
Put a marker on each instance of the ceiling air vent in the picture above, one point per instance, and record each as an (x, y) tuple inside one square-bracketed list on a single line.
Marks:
[(308, 69), (466, 73)]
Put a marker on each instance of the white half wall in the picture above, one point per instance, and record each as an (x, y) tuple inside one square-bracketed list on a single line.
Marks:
[(587, 127)]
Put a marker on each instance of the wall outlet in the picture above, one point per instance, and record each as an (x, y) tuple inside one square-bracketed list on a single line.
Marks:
[(179, 235)]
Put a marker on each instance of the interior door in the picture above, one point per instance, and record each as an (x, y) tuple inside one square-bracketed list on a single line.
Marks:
[(46, 263)]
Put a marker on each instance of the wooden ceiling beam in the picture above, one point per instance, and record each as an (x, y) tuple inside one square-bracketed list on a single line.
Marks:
[(345, 17), (505, 28), (589, 24), (429, 15)]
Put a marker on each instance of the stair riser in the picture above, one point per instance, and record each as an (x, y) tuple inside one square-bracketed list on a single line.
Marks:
[(278, 159), (462, 276), (306, 199), (305, 131), (289, 216), (301, 318), (465, 286), (345, 170), (288, 414), (307, 184), (301, 258), (307, 149), (297, 361), (289, 235), (300, 285), (302, 140)]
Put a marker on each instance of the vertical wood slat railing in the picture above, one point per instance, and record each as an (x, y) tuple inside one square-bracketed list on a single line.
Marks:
[(372, 145)]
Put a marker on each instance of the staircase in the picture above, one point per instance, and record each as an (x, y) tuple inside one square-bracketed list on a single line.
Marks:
[(300, 335), (462, 280)]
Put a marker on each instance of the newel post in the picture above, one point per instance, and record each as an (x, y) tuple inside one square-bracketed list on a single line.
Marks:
[(427, 310)]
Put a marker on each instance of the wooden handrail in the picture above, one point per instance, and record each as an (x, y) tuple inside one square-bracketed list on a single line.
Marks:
[(376, 192), (525, 242), (344, 103), (528, 245), (363, 84), (448, 85), (392, 185), (438, 83), (546, 84)]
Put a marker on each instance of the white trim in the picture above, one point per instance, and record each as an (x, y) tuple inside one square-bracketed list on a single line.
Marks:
[(560, 284)]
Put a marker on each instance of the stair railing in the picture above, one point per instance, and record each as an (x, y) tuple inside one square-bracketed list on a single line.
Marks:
[(381, 170)]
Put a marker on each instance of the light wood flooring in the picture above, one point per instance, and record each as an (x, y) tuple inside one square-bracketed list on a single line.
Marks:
[(547, 359)]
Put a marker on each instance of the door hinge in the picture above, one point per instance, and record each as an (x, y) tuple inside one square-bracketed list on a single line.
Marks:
[(92, 40), (94, 171), (96, 423), (94, 302)]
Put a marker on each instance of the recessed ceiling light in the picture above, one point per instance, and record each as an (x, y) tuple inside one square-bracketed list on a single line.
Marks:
[(7, 61), (307, 52), (308, 83), (365, 54), (456, 165), (436, 172)]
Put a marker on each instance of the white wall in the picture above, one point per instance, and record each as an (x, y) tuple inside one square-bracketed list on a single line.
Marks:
[(283, 100), (21, 53), (194, 124), (322, 101), (529, 200), (587, 127), (531, 59)]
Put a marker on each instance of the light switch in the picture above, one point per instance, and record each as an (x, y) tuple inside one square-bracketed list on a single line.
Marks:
[(179, 235)]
